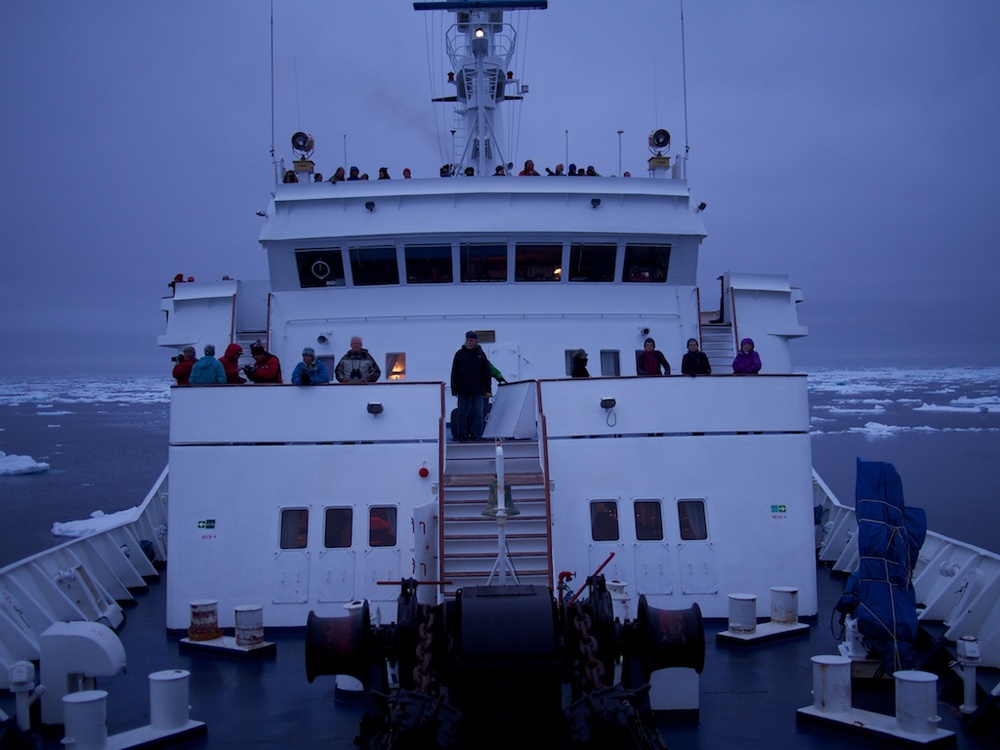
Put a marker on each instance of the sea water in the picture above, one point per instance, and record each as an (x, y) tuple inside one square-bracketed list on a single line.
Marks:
[(105, 442)]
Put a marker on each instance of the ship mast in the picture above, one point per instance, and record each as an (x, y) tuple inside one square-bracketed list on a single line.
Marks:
[(480, 47)]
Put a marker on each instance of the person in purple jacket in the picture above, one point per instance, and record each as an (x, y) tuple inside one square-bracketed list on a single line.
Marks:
[(747, 361)]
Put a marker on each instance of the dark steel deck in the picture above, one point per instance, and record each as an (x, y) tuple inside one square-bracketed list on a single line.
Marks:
[(749, 695)]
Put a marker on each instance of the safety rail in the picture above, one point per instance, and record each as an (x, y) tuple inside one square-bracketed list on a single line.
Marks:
[(87, 578)]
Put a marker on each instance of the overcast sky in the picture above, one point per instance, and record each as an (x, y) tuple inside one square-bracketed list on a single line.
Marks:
[(852, 145)]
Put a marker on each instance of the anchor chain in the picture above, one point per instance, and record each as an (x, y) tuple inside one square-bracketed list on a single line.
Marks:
[(422, 669), (593, 667)]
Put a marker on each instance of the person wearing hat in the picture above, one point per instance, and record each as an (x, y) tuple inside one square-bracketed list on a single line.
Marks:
[(208, 370), (266, 367), (695, 361), (353, 174), (231, 364), (470, 383), (650, 361), (185, 361), (310, 371), (579, 365)]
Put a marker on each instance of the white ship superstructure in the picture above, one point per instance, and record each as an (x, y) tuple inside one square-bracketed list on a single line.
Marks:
[(700, 486)]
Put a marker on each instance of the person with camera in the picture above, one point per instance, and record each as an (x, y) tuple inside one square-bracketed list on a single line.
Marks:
[(265, 368), (310, 371), (357, 366), (183, 364)]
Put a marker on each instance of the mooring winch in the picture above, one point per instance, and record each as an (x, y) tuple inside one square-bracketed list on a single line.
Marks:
[(507, 664)]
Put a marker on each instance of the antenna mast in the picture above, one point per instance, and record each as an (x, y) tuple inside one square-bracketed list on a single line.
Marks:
[(480, 47), (687, 145)]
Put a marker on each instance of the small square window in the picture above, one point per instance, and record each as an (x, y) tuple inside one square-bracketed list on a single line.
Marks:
[(382, 526), (610, 364), (338, 533), (604, 520), (395, 366), (648, 521), (691, 517), (294, 528)]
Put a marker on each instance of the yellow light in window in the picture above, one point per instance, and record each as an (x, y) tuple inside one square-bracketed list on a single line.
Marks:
[(396, 366)]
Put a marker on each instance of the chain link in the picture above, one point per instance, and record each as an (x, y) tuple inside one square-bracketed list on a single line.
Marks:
[(593, 668), (422, 670)]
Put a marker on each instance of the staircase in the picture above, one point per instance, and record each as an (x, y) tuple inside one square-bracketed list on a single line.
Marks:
[(470, 548), (717, 343)]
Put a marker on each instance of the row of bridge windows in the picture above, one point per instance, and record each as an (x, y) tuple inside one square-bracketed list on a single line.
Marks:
[(605, 524), (483, 262)]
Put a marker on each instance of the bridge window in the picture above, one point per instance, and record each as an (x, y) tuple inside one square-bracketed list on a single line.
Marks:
[(320, 268), (646, 263), (428, 264), (648, 521), (604, 520), (395, 366), (537, 262), (589, 262), (294, 528), (483, 262), (691, 518), (337, 533), (382, 526), (374, 266)]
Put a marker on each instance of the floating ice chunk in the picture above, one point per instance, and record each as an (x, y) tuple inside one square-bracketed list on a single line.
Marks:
[(10, 465)]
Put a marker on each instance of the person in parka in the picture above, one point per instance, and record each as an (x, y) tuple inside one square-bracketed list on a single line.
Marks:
[(357, 366)]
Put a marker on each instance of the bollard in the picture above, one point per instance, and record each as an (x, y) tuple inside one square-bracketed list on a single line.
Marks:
[(249, 626), (832, 684), (168, 699), (204, 620), (784, 605), (916, 702), (86, 715), (742, 613)]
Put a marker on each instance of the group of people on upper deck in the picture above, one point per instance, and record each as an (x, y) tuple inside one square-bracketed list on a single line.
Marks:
[(339, 175), (356, 366), (650, 361), (448, 170)]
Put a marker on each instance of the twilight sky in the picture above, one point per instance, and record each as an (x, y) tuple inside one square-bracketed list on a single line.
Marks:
[(852, 145)]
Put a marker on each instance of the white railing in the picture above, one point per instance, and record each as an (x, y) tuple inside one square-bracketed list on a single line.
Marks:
[(87, 578)]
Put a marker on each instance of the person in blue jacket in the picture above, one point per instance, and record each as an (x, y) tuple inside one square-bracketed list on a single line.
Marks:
[(310, 371), (208, 370)]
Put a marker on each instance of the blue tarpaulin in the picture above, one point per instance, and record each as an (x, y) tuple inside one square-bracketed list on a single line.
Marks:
[(890, 536)]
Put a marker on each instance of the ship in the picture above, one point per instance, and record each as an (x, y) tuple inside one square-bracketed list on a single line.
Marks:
[(359, 560)]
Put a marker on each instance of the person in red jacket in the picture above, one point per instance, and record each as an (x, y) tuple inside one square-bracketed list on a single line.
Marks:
[(266, 367), (182, 370), (231, 364)]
